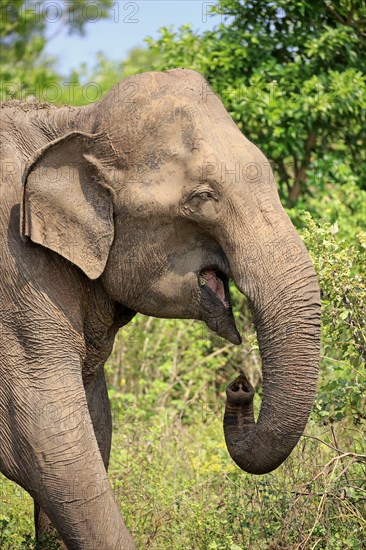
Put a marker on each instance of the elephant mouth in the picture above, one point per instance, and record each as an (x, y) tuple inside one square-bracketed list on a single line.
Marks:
[(217, 283), (215, 293)]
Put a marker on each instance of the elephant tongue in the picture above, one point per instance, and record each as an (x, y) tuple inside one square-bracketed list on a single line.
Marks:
[(215, 284)]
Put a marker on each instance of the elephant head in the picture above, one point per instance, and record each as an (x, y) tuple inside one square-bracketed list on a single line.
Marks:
[(156, 193)]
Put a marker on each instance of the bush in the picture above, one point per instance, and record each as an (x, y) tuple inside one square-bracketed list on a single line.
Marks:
[(341, 273)]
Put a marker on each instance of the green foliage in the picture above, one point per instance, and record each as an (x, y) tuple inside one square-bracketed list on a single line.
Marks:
[(292, 76), (25, 70), (334, 197), (342, 278), (16, 517)]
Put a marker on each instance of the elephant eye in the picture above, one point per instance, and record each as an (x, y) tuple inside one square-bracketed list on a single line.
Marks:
[(198, 202), (204, 195)]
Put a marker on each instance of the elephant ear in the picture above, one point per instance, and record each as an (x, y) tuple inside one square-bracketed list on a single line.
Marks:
[(67, 200)]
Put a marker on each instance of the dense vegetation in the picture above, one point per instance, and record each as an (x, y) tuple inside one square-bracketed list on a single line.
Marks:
[(292, 74)]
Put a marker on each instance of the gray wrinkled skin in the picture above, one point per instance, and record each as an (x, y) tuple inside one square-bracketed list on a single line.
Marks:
[(147, 201)]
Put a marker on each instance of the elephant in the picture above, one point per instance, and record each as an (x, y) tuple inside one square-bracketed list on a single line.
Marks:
[(148, 201)]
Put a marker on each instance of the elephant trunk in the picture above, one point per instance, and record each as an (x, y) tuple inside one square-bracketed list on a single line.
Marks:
[(285, 302)]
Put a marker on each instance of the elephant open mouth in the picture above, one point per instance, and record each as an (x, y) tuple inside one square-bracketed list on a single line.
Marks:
[(216, 283), (216, 299)]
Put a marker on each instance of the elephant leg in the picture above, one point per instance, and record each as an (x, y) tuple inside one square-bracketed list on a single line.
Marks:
[(100, 413), (59, 461)]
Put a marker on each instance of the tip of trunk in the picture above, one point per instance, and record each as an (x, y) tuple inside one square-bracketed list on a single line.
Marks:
[(257, 448)]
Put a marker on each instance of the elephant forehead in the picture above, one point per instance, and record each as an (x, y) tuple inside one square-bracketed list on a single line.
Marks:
[(171, 121), (150, 189)]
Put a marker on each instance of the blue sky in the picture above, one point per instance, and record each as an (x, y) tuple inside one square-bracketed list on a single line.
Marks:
[(131, 22)]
